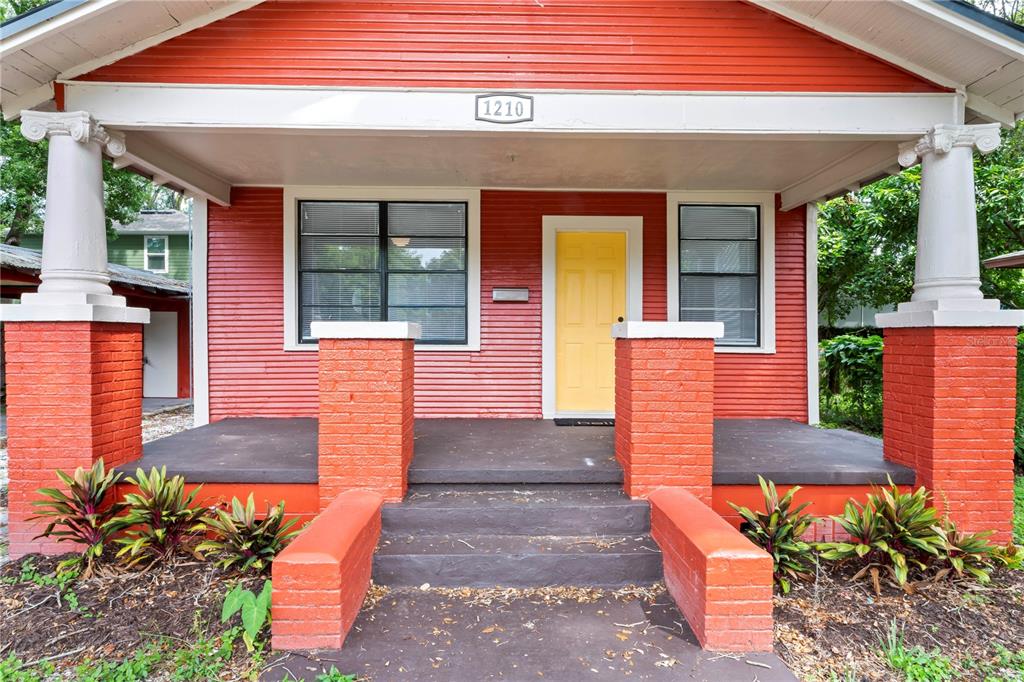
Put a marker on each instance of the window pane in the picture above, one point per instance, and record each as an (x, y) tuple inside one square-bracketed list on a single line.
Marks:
[(717, 256), (718, 222), (426, 253), (156, 262), (439, 324), (341, 289), (731, 300), (155, 245), (740, 325), (427, 289), (338, 314), (438, 220), (332, 252), (338, 217), (731, 293)]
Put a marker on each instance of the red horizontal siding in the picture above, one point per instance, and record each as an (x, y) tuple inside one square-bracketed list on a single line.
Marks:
[(751, 385), (601, 44), (251, 374)]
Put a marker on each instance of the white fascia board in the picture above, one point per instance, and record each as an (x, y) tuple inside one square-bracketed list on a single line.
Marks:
[(61, 22), (869, 161), (165, 165), (972, 29), (144, 106)]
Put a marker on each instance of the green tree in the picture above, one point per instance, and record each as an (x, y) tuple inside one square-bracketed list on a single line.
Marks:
[(867, 238), (23, 173)]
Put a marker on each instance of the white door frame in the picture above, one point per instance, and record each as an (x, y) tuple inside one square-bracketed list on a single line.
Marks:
[(633, 227)]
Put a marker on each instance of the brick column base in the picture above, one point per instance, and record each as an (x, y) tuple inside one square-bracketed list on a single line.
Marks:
[(74, 395), (366, 412), (664, 406), (948, 412)]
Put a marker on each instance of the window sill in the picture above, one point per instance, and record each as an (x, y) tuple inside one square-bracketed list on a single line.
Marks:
[(745, 350), (305, 347)]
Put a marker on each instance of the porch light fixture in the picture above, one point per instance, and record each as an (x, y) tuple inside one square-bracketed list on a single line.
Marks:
[(400, 241)]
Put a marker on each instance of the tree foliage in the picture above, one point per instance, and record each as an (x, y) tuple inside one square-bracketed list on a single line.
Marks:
[(867, 238)]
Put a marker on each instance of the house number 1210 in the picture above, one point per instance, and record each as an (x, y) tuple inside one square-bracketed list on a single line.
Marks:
[(504, 108)]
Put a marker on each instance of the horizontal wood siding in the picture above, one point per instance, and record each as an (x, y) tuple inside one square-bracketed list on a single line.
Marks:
[(251, 375), (601, 44), (751, 385)]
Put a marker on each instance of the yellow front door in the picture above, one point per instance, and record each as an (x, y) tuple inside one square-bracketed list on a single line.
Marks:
[(590, 296)]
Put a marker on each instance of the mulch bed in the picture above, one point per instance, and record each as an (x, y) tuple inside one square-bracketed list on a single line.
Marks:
[(834, 625), (118, 610)]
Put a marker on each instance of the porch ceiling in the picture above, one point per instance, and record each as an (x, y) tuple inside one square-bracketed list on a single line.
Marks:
[(506, 160)]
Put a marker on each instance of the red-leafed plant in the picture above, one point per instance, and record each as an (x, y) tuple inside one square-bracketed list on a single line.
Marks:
[(81, 514)]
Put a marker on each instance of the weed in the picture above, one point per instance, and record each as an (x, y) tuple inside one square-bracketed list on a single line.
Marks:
[(255, 610), (13, 669), (916, 664), (206, 657), (335, 675), (135, 669)]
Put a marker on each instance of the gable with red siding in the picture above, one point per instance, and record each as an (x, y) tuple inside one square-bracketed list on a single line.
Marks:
[(251, 375), (566, 44)]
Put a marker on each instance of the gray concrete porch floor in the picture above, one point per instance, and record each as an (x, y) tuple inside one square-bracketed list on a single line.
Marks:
[(253, 450), (424, 635)]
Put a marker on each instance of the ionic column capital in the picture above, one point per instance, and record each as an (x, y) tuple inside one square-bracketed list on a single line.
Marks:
[(79, 125), (944, 137)]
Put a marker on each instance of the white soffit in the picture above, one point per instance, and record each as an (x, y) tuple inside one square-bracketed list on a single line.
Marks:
[(926, 38), (564, 161)]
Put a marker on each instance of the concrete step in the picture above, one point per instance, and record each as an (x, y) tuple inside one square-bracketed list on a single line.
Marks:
[(518, 510), (466, 560)]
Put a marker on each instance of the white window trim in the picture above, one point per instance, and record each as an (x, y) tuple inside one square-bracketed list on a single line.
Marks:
[(766, 201), (296, 193), (145, 252), (200, 327), (633, 226), (811, 265)]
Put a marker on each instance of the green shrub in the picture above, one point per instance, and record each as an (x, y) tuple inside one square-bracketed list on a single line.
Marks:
[(1018, 509), (894, 531), (1018, 441), (778, 530), (81, 515), (161, 518), (243, 541), (851, 379)]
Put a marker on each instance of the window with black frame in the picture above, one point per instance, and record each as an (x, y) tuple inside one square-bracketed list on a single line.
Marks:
[(363, 260), (719, 269)]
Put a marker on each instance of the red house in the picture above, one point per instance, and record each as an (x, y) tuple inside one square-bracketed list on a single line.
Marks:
[(429, 233)]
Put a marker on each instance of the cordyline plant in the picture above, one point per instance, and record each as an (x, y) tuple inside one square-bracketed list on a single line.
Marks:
[(161, 518), (80, 515), (964, 553), (778, 530), (894, 531), (243, 541)]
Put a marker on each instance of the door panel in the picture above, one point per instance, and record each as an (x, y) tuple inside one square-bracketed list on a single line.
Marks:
[(160, 348), (590, 296)]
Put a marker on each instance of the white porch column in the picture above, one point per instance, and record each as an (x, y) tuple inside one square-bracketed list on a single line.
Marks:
[(74, 279), (947, 265)]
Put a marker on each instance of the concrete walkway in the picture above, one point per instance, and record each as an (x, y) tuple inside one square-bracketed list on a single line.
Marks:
[(425, 635)]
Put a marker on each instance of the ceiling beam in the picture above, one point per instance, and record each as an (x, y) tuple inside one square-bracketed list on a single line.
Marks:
[(990, 110), (865, 163), (169, 168)]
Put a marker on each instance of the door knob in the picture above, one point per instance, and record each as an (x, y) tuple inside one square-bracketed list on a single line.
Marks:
[(620, 319)]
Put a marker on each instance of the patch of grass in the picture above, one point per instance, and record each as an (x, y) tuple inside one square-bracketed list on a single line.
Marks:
[(206, 657), (1018, 510), (134, 669), (1004, 665), (916, 664)]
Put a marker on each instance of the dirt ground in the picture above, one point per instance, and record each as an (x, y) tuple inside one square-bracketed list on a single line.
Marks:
[(834, 625), (116, 612)]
